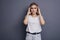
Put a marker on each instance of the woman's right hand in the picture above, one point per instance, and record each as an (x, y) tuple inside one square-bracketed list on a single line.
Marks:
[(28, 11)]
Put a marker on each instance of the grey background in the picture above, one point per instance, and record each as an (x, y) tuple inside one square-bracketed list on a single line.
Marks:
[(12, 14)]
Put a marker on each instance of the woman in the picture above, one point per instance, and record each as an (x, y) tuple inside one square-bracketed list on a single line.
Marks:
[(33, 20)]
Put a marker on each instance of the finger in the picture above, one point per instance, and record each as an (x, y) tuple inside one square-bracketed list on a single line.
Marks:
[(38, 8), (29, 9), (39, 11)]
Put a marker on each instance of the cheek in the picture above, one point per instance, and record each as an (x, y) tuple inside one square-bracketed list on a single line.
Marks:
[(35, 10)]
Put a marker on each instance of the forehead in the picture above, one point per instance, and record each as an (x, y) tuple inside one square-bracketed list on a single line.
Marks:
[(33, 6)]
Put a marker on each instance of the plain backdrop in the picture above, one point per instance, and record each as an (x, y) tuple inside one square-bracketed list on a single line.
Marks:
[(12, 14)]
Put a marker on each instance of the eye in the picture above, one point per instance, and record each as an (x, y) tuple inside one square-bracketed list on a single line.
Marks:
[(33, 8)]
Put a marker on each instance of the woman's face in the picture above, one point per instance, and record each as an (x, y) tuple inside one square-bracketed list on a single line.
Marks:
[(33, 9)]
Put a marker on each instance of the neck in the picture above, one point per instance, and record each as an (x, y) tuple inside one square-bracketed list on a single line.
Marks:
[(33, 14)]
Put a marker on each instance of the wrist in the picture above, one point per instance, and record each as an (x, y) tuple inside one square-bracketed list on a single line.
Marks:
[(27, 15), (40, 16)]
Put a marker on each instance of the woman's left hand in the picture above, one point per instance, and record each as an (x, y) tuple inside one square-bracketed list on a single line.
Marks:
[(39, 11)]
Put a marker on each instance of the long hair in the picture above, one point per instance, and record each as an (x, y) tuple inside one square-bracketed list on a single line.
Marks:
[(33, 3)]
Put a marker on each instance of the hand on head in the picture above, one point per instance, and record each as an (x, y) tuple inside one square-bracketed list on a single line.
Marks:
[(28, 11), (39, 11)]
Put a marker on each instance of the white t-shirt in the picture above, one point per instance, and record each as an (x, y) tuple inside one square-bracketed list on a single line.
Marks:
[(33, 24)]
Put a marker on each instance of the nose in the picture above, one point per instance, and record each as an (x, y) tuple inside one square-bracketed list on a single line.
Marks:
[(33, 10)]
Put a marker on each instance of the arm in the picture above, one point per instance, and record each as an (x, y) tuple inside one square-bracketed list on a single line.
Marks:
[(26, 17), (42, 21), (26, 20)]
